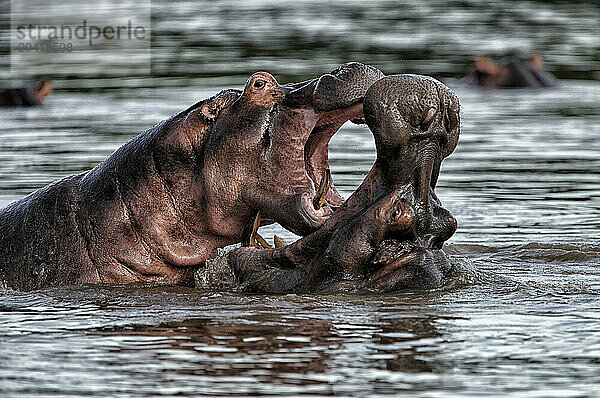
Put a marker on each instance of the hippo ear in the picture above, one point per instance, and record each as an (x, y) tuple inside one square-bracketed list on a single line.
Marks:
[(214, 107), (199, 118)]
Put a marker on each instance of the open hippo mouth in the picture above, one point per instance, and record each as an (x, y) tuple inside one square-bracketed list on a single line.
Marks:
[(322, 198), (316, 153), (299, 130)]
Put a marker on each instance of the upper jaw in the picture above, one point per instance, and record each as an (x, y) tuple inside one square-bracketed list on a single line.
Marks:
[(338, 89)]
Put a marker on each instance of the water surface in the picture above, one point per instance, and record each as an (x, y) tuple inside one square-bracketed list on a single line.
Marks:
[(524, 320)]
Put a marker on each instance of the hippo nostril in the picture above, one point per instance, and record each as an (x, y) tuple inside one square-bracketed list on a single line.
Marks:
[(280, 93), (441, 226)]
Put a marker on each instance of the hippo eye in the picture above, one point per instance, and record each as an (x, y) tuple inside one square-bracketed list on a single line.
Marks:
[(259, 84)]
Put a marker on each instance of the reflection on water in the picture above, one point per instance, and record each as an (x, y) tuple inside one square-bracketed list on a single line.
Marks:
[(145, 341), (523, 184)]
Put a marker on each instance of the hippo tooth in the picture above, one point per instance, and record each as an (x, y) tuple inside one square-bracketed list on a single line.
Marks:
[(319, 199), (255, 226), (262, 242), (278, 242)]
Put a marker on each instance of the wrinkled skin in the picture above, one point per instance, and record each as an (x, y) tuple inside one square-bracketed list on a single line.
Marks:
[(162, 204), (388, 236)]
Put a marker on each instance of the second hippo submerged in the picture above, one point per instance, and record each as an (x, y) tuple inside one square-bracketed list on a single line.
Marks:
[(389, 234)]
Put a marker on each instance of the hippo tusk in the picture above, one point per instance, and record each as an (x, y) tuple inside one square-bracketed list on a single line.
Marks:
[(255, 226), (278, 242), (255, 239), (261, 242), (319, 199), (249, 233)]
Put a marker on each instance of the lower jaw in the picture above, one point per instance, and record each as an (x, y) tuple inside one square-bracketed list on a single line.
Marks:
[(313, 218), (418, 269)]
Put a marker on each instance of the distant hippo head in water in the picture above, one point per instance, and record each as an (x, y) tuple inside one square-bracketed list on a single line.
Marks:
[(25, 96), (512, 73), (163, 203), (389, 234)]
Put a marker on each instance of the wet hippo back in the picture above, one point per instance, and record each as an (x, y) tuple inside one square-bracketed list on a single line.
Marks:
[(37, 231)]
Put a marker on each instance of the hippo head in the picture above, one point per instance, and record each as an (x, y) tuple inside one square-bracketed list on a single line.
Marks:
[(416, 124), (267, 149)]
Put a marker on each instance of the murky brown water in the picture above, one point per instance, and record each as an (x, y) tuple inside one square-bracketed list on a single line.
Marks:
[(524, 320)]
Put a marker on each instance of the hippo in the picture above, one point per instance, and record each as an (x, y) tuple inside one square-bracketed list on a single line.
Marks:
[(512, 73), (388, 236), (25, 96), (164, 202)]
